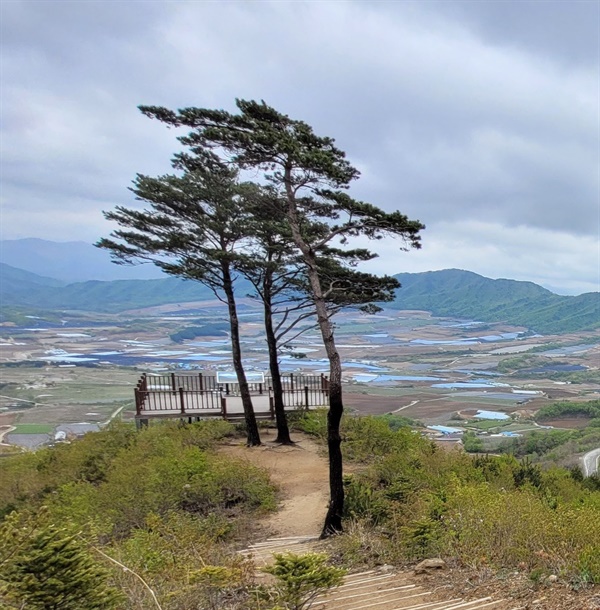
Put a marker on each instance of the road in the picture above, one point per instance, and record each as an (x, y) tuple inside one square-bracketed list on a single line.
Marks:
[(590, 462), (4, 430)]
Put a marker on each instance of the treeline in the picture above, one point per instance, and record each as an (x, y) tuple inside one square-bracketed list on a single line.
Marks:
[(206, 330), (565, 408)]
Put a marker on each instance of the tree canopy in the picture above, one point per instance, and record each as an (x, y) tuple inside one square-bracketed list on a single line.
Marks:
[(312, 176)]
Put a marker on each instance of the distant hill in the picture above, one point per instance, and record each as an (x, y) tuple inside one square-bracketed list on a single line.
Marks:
[(72, 261), (107, 297), (451, 293), (458, 293), (19, 280)]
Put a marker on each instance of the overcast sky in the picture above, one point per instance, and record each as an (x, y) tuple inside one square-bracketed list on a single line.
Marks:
[(480, 118)]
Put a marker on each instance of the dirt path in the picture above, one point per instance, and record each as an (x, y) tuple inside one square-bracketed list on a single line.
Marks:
[(301, 473)]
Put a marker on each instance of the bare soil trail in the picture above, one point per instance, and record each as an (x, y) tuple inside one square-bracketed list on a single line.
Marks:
[(302, 475)]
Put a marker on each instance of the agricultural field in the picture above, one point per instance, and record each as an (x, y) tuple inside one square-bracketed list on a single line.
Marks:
[(76, 375)]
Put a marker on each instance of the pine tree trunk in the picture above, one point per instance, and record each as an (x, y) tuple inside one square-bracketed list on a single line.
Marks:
[(283, 432), (333, 519), (253, 436)]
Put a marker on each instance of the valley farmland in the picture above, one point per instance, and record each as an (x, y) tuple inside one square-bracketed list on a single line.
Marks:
[(447, 376)]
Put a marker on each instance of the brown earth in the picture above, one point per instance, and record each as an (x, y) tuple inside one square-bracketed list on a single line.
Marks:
[(301, 474), (419, 405), (570, 422), (6, 419)]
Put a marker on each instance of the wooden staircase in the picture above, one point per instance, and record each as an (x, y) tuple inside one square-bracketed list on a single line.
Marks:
[(371, 590)]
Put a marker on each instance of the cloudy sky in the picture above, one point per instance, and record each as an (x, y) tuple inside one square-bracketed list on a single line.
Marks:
[(479, 118)]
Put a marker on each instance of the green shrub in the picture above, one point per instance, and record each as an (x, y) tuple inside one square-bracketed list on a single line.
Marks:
[(395, 422), (472, 443), (312, 422), (363, 502), (413, 501), (161, 474), (301, 578), (421, 538), (44, 566), (588, 565)]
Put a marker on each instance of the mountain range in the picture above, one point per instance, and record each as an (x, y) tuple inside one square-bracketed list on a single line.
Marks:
[(447, 293), (20, 288), (72, 261), (463, 294)]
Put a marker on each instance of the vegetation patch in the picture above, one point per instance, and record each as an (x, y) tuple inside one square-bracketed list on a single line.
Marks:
[(160, 502), (589, 409), (33, 429), (412, 500), (205, 330)]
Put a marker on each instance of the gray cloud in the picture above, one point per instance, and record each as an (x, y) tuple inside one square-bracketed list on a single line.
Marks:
[(485, 112), (565, 31)]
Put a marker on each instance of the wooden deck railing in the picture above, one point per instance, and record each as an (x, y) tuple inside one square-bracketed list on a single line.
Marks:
[(181, 395)]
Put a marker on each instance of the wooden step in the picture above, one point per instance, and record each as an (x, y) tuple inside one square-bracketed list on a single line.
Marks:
[(370, 589)]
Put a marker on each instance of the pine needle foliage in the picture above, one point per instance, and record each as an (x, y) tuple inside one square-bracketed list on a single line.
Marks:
[(302, 578), (44, 566)]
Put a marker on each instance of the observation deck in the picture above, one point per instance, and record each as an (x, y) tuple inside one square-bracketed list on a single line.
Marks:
[(205, 395)]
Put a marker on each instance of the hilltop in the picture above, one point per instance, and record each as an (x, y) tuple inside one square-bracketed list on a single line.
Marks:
[(157, 501), (459, 293)]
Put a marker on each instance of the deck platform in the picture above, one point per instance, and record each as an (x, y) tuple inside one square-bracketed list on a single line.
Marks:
[(203, 396)]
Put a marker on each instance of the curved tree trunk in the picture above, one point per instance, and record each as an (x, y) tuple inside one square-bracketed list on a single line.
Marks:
[(253, 436), (333, 519), (283, 432)]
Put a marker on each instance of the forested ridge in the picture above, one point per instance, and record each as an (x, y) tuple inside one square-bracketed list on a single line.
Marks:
[(458, 293), (452, 293)]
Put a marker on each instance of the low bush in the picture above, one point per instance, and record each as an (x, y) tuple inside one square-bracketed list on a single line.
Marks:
[(44, 566), (412, 501), (160, 502), (299, 579)]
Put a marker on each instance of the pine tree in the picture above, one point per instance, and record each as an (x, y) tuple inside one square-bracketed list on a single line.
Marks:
[(311, 174), (46, 567), (195, 224)]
